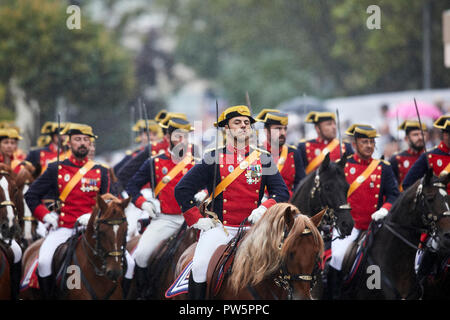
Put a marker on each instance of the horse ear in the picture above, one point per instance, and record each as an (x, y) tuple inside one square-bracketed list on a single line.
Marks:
[(325, 162), (317, 218), (289, 217), (101, 203), (429, 174), (343, 161), (125, 203)]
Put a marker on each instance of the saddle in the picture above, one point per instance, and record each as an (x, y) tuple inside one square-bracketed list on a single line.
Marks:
[(62, 258), (351, 252), (221, 264)]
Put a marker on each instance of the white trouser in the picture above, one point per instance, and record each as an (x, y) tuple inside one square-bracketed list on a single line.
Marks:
[(51, 243), (133, 214), (17, 251), (207, 244), (339, 247), (159, 229)]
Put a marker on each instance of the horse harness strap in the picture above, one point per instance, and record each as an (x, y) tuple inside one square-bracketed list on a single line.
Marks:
[(388, 226)]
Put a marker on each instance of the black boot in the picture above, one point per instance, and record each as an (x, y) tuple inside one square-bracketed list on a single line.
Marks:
[(197, 291), (47, 287), (334, 283), (16, 275), (141, 276), (426, 265), (126, 284)]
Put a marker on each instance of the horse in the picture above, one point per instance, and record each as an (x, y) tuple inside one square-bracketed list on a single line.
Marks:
[(275, 259), (326, 188), (390, 245), (9, 228), (161, 264), (98, 252)]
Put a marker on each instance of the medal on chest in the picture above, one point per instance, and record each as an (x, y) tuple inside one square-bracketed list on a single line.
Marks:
[(253, 174), (88, 185)]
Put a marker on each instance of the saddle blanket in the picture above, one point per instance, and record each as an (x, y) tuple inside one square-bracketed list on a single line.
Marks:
[(181, 284), (30, 279)]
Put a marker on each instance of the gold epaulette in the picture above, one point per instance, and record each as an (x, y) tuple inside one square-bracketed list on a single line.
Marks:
[(260, 149), (386, 162), (128, 152), (291, 146), (302, 141)]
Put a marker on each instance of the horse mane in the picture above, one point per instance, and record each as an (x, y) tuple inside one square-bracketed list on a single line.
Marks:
[(259, 255)]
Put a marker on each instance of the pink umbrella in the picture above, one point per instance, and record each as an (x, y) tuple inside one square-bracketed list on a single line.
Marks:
[(407, 110)]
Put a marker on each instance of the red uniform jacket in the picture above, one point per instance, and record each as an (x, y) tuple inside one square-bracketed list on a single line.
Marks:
[(402, 162), (80, 200), (162, 165), (380, 189)]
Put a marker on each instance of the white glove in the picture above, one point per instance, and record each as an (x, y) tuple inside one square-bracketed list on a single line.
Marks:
[(204, 224), (200, 196), (84, 219), (379, 214), (152, 206), (51, 219), (257, 214)]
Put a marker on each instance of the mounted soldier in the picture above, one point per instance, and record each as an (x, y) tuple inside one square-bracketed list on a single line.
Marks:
[(236, 176), (75, 181), (140, 128), (166, 216), (314, 151), (373, 190), (438, 158), (403, 161), (287, 158)]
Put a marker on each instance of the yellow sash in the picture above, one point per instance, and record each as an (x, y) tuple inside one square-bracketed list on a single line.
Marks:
[(358, 181), (172, 174), (318, 160), (283, 156), (446, 170), (236, 172), (75, 179)]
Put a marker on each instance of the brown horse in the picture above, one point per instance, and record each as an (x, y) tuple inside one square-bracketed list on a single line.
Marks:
[(98, 255), (276, 259)]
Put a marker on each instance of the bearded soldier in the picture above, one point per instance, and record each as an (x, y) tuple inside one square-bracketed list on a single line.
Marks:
[(76, 181), (287, 158), (403, 161), (242, 174)]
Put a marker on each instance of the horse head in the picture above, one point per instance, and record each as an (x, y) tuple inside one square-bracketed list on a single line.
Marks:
[(301, 248), (432, 199), (9, 227), (108, 228), (283, 246), (329, 190)]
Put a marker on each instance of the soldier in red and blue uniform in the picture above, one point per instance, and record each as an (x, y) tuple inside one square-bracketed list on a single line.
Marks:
[(140, 127), (127, 171), (439, 160), (76, 202), (403, 161), (167, 169), (313, 151), (40, 157), (238, 196), (372, 192), (288, 159)]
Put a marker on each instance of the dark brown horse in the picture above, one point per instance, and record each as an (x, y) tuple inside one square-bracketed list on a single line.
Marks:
[(392, 243), (276, 258), (162, 263), (98, 255)]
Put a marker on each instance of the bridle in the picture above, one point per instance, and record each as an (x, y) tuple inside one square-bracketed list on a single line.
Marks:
[(99, 251), (284, 278), (329, 218), (428, 218)]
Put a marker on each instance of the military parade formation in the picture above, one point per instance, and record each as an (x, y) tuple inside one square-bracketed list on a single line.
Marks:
[(130, 228)]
